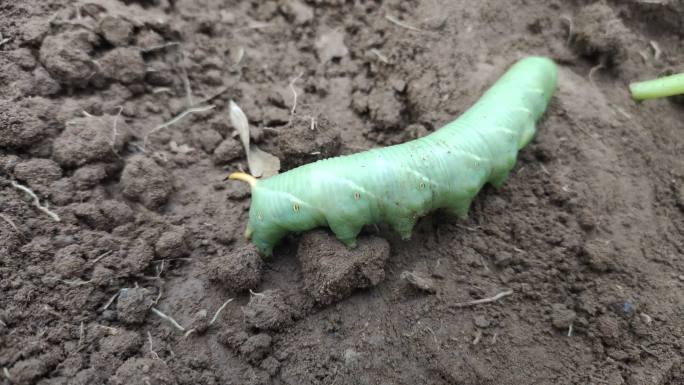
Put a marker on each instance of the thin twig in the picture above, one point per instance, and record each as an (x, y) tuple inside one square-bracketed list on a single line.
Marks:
[(175, 120), (220, 309), (186, 80), (171, 320), (81, 332), (294, 93), (154, 354), (157, 47), (111, 300), (571, 28), (483, 300), (36, 201), (5, 371), (570, 330), (402, 24), (106, 253), (380, 55), (256, 294), (10, 222), (114, 131), (593, 70), (3, 41), (656, 50)]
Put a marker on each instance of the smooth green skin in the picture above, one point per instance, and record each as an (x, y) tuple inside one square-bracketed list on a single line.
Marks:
[(399, 184), (658, 88)]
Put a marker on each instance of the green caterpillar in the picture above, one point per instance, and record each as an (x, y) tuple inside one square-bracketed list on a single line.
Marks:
[(398, 184)]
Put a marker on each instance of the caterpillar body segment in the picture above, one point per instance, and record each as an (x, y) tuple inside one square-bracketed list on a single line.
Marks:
[(399, 184)]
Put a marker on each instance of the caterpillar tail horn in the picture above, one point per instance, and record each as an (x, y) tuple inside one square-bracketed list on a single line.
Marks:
[(243, 177), (252, 182)]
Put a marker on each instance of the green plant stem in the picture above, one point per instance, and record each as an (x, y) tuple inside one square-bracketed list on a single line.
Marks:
[(658, 88)]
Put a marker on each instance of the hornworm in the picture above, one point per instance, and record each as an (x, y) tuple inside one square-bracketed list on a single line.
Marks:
[(398, 184)]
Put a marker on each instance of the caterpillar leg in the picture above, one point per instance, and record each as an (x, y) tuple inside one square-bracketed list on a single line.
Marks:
[(499, 179), (403, 226), (460, 209), (345, 232)]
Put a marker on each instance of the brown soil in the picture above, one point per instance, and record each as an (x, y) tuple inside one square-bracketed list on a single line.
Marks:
[(588, 233)]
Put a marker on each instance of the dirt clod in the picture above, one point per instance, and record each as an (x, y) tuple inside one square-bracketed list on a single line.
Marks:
[(237, 271), (133, 304), (256, 347), (90, 139), (143, 180), (116, 30), (268, 311), (124, 65), (561, 316), (419, 281), (171, 244), (332, 271), (143, 371), (37, 173), (228, 150), (67, 56), (601, 34), (19, 127), (299, 144)]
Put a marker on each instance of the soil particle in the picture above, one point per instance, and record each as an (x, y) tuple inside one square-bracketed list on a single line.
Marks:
[(297, 11), (601, 35), (209, 140), (159, 74), (332, 271), (19, 126), (116, 31), (144, 181), (561, 316), (385, 110), (228, 150), (124, 65), (104, 215), (171, 243), (69, 261), (43, 84), (133, 304), (90, 139), (237, 271), (38, 173), (143, 371), (122, 344), (330, 45), (67, 56), (256, 347), (419, 281), (28, 371), (482, 321), (89, 176), (599, 255), (34, 30), (139, 256), (269, 310), (299, 144), (270, 365), (609, 329)]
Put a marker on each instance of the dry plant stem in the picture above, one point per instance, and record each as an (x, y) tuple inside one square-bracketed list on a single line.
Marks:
[(593, 70), (380, 55), (571, 28), (111, 300), (483, 300), (36, 201), (186, 80), (114, 131), (402, 24), (167, 318), (656, 50), (6, 373), (154, 354), (294, 94), (157, 47), (220, 309), (10, 222), (176, 119)]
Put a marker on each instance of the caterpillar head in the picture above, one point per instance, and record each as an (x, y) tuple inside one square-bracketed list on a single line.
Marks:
[(262, 229)]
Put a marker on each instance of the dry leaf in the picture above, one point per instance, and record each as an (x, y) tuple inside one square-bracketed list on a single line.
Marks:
[(261, 163)]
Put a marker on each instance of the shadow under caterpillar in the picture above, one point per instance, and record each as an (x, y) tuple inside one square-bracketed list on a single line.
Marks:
[(398, 184)]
